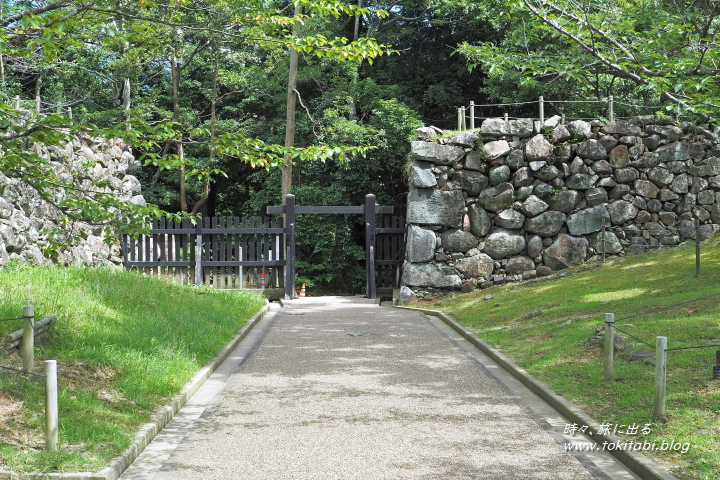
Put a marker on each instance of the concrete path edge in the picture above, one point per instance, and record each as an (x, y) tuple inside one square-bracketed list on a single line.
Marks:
[(160, 419), (638, 463)]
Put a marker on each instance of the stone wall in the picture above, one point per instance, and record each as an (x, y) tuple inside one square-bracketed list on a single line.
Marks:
[(505, 203), (25, 217)]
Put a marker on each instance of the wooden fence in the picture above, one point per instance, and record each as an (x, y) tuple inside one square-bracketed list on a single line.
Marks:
[(389, 252), (221, 252)]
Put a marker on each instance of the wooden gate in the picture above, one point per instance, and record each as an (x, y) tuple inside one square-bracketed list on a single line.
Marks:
[(387, 254), (221, 252)]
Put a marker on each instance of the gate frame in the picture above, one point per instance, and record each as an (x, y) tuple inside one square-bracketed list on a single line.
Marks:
[(370, 209)]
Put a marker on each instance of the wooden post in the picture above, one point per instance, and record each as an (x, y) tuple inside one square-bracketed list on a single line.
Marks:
[(541, 102), (609, 343), (460, 118), (17, 102), (472, 115), (51, 406), (198, 252), (604, 230), (611, 109), (506, 117), (27, 346), (562, 120), (69, 113), (370, 235), (290, 247), (697, 248), (660, 375)]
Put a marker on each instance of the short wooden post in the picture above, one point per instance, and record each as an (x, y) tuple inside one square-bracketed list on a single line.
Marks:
[(604, 231), (611, 109), (562, 120), (660, 375), (51, 406), (460, 118), (697, 248), (69, 113), (541, 101), (27, 346), (17, 102), (506, 117), (198, 252), (609, 343), (472, 115)]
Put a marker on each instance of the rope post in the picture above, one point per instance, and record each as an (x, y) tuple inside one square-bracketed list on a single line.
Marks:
[(609, 343), (541, 102), (69, 113), (562, 120), (27, 346), (611, 109), (17, 102), (697, 248), (660, 375), (505, 117), (472, 115), (604, 230), (51, 406), (460, 118)]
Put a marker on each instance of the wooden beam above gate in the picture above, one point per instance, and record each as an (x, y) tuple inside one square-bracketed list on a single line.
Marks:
[(338, 210)]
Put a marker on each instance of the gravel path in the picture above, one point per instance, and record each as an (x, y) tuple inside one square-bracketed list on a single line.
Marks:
[(338, 391)]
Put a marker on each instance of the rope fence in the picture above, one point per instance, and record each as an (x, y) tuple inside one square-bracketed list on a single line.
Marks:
[(661, 351), (466, 116), (26, 340)]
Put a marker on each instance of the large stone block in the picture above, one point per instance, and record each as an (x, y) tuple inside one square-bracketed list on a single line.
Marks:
[(435, 207), (496, 149), (592, 149), (566, 251), (421, 175), (480, 222), (458, 241), (497, 198), (477, 266), (546, 224), (472, 182), (495, 126), (538, 148), (503, 243), (428, 275), (510, 219), (621, 212), (421, 244), (588, 221), (436, 153)]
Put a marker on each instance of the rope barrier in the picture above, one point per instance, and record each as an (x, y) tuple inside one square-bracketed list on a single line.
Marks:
[(669, 307), (21, 371), (689, 348), (633, 336), (11, 319)]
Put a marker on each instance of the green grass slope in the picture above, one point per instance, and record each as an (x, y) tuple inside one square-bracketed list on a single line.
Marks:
[(124, 343), (544, 325)]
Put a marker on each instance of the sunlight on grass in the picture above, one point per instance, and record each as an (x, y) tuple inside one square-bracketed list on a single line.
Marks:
[(616, 295)]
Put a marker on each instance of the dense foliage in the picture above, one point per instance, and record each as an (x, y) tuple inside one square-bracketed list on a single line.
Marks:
[(201, 89)]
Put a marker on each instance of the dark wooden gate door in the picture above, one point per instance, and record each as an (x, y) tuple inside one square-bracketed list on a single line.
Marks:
[(373, 256)]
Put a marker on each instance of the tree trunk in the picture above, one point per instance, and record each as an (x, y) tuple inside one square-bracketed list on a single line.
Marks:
[(352, 115), (213, 105), (175, 70), (290, 116)]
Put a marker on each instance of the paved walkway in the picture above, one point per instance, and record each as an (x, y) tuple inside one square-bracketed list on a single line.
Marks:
[(340, 388)]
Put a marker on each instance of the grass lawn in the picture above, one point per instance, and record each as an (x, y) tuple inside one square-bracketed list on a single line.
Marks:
[(544, 326), (124, 344)]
